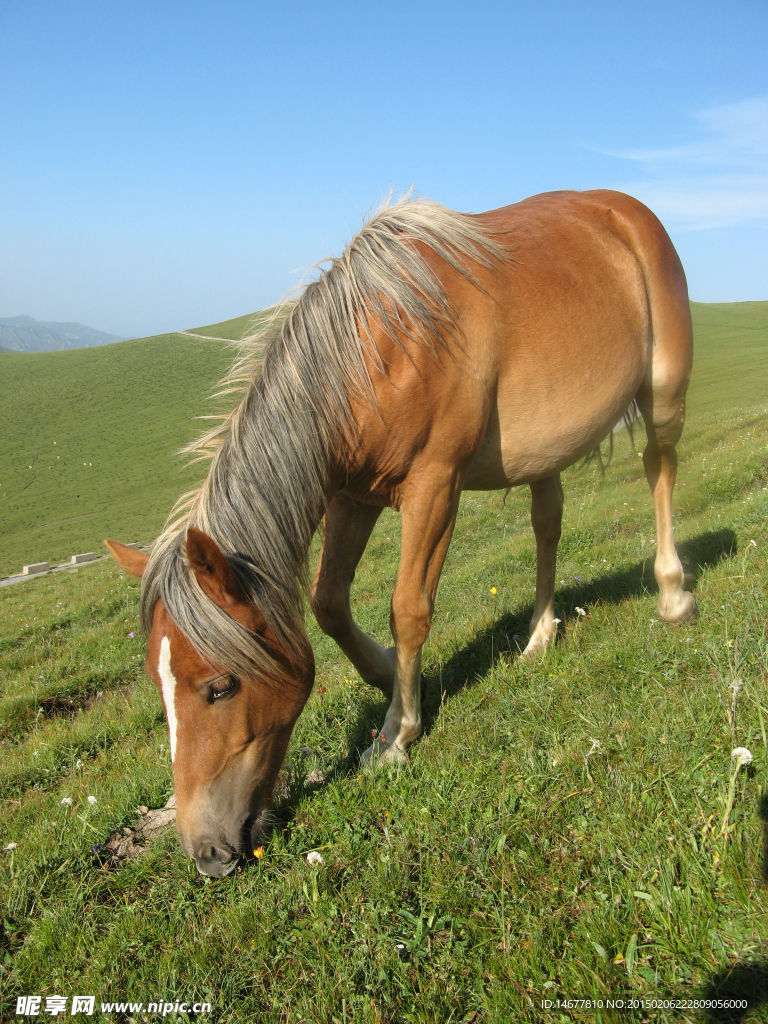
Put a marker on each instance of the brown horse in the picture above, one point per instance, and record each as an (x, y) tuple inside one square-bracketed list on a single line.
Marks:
[(440, 352)]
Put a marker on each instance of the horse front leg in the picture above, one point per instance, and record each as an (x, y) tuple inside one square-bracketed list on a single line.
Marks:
[(546, 518), (347, 528), (428, 523)]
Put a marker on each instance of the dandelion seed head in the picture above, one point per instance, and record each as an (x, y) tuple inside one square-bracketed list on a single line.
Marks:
[(742, 755)]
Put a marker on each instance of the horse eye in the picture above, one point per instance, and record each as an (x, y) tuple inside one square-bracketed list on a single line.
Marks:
[(221, 687)]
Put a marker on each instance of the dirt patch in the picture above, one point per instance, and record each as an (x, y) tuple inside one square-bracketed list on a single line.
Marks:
[(130, 843)]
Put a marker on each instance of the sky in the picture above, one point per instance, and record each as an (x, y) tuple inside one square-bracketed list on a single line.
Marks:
[(169, 165)]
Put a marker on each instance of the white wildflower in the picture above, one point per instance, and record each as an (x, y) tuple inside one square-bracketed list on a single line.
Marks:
[(742, 755), (79, 764), (11, 846), (314, 857), (66, 801), (92, 800), (581, 612)]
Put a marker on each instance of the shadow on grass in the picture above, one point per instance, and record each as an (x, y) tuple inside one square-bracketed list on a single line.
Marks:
[(762, 810), (746, 981), (509, 634)]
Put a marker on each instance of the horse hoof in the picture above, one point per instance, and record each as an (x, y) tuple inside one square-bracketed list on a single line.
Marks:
[(679, 608), (379, 752), (536, 646)]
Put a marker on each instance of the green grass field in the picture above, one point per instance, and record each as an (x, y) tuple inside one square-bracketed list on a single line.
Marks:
[(89, 441), (559, 831)]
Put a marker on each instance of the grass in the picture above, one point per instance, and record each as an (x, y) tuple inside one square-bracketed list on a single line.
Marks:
[(730, 355), (557, 833), (88, 445), (233, 330)]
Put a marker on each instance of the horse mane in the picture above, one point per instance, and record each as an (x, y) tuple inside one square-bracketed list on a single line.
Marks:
[(296, 376)]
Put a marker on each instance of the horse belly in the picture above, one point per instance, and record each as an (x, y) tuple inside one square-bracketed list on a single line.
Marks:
[(542, 428)]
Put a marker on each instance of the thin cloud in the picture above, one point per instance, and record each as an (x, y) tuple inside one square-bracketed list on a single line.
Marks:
[(719, 180)]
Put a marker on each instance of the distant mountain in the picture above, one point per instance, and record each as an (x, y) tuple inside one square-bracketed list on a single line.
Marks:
[(25, 334)]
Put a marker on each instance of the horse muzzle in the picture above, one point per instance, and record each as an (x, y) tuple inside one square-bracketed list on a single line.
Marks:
[(214, 858)]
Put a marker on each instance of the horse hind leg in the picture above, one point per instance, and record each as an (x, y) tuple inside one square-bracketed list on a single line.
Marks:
[(347, 529), (663, 409), (546, 519)]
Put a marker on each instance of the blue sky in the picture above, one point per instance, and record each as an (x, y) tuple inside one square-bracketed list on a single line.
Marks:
[(166, 165)]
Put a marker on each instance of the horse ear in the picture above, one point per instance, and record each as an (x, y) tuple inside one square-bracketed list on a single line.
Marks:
[(133, 561), (213, 571)]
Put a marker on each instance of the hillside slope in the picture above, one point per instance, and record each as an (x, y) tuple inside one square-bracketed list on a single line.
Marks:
[(25, 334), (231, 330), (88, 449), (118, 415), (730, 358)]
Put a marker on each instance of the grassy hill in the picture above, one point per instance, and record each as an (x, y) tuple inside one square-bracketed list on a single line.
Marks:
[(88, 445), (730, 361), (231, 330), (118, 414)]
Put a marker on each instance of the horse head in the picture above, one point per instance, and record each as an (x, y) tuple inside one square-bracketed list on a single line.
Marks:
[(228, 735)]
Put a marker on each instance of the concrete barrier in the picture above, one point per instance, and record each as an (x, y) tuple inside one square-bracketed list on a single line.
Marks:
[(35, 567), (89, 556)]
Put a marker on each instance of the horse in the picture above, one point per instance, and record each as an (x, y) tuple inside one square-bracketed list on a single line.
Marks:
[(440, 352)]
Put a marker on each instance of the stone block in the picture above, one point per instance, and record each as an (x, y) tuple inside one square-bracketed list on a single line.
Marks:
[(35, 567)]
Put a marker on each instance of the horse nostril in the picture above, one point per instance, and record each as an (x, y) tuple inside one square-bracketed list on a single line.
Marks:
[(214, 860)]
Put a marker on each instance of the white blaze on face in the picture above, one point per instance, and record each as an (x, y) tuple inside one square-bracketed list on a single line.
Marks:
[(169, 690)]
